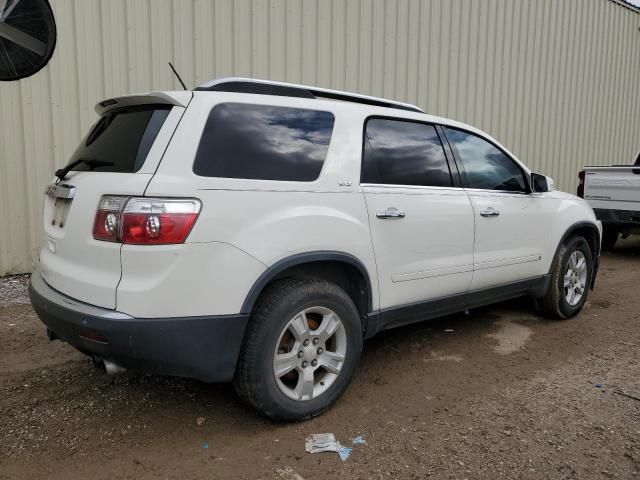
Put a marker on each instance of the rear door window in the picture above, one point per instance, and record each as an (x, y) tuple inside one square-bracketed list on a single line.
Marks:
[(121, 139), (264, 142), (399, 152)]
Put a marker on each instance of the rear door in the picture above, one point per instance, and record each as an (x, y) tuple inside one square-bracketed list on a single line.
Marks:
[(118, 156), (421, 222)]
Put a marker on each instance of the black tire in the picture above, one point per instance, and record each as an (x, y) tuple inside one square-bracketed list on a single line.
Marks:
[(554, 303), (255, 381), (609, 239)]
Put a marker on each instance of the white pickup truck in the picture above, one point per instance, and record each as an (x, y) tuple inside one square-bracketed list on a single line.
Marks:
[(614, 194)]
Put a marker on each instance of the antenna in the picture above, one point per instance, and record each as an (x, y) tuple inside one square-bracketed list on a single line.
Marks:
[(178, 76)]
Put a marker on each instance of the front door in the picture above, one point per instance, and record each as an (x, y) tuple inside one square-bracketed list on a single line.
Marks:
[(421, 225), (510, 221)]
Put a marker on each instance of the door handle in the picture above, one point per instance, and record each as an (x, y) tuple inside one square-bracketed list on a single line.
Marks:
[(489, 212), (391, 212)]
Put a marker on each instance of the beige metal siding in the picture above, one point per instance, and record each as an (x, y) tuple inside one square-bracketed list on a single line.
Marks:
[(556, 81)]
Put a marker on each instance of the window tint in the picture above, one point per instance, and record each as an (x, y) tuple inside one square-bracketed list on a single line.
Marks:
[(403, 153), (486, 166), (121, 139), (263, 142)]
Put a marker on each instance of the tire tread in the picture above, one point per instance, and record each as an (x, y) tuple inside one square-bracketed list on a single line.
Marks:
[(550, 305), (248, 383)]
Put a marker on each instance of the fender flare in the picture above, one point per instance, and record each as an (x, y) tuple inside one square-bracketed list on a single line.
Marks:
[(299, 259), (596, 255)]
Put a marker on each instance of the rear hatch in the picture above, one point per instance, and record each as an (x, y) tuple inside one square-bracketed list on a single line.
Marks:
[(119, 156)]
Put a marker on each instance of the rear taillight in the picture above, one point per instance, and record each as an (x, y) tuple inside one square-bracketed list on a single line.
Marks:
[(580, 190), (106, 225), (145, 221), (158, 220)]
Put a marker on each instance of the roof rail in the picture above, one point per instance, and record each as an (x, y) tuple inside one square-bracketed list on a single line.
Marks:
[(268, 87)]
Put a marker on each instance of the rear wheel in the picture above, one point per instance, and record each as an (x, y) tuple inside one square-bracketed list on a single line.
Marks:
[(300, 349), (570, 280), (609, 239)]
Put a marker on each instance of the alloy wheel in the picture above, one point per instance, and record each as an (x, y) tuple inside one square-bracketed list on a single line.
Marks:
[(310, 353), (575, 278)]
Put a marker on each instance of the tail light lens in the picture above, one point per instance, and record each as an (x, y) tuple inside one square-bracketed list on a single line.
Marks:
[(106, 225), (145, 221), (158, 221), (580, 190)]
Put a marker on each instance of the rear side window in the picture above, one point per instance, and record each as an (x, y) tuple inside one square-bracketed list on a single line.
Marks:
[(486, 166), (403, 153), (121, 139), (263, 142)]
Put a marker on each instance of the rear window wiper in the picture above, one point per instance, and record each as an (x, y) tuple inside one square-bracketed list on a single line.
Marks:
[(93, 163)]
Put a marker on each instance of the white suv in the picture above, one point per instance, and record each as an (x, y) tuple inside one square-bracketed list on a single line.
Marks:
[(258, 232)]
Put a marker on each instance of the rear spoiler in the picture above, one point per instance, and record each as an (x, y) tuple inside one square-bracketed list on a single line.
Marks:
[(179, 99)]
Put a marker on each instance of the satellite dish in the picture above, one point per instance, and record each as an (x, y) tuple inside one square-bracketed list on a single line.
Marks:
[(27, 37)]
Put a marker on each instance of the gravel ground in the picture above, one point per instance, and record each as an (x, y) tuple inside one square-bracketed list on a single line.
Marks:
[(13, 290), (499, 393)]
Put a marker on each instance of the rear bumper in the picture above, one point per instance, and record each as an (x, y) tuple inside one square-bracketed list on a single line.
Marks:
[(623, 220), (204, 347)]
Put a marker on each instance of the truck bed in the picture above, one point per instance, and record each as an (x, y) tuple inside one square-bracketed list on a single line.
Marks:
[(613, 188)]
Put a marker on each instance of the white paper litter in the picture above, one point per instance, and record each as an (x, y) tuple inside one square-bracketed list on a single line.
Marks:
[(326, 442)]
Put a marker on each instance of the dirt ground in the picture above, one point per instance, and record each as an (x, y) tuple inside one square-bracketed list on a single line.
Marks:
[(498, 393)]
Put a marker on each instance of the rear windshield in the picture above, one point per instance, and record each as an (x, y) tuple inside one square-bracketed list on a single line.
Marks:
[(263, 142), (121, 139)]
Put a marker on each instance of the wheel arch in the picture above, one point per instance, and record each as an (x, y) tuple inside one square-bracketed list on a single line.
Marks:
[(335, 266), (590, 232)]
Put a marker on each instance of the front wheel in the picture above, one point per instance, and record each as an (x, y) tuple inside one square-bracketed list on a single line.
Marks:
[(300, 350), (570, 280)]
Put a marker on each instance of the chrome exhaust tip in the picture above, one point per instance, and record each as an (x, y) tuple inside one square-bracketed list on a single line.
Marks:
[(107, 366), (111, 368)]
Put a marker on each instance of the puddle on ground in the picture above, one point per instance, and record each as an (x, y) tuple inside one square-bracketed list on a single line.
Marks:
[(511, 336)]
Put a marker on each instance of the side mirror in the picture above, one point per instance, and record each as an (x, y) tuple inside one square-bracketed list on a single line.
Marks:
[(541, 183)]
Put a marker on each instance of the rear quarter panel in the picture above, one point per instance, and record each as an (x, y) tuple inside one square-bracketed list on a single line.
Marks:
[(266, 220)]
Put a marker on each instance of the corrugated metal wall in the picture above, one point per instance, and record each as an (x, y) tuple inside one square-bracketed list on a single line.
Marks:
[(556, 81)]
